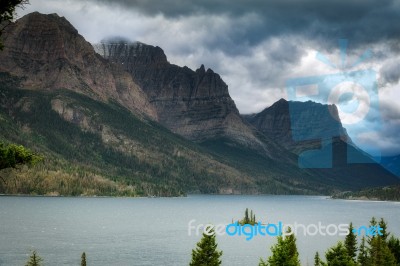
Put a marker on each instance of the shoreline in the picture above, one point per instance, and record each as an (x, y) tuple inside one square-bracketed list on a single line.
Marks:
[(142, 197), (364, 199)]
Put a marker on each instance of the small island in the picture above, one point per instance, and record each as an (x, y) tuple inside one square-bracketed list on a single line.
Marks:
[(249, 218)]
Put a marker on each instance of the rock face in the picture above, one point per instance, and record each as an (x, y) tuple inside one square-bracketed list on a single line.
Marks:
[(302, 127), (194, 104), (49, 52), (299, 125)]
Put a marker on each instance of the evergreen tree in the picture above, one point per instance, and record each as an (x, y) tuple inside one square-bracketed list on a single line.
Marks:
[(375, 250), (83, 259), (34, 260), (246, 219), (249, 218), (206, 253), (317, 259), (362, 258), (383, 226), (372, 223), (338, 256), (284, 253), (350, 243), (379, 253), (394, 246), (252, 218), (13, 156)]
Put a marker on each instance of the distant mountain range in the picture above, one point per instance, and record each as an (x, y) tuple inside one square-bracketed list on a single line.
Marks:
[(117, 118)]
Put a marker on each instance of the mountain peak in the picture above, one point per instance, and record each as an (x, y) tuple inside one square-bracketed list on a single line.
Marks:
[(52, 20), (201, 71), (282, 100), (136, 54), (210, 71)]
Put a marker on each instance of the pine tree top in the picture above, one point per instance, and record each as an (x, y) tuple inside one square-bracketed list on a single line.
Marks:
[(206, 253)]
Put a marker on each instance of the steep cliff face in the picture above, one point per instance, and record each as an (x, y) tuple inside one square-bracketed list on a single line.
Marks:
[(194, 104), (50, 54), (314, 132), (299, 125)]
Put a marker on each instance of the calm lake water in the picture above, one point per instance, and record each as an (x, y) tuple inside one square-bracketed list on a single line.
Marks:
[(154, 231)]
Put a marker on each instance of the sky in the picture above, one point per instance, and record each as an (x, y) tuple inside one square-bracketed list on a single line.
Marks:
[(259, 47)]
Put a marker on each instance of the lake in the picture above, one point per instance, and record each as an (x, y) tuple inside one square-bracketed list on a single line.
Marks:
[(154, 231)]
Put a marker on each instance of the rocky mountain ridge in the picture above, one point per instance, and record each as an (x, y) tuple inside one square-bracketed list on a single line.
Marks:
[(315, 133), (50, 54), (299, 125), (194, 104)]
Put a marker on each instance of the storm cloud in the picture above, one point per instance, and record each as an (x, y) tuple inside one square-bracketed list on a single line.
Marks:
[(366, 21)]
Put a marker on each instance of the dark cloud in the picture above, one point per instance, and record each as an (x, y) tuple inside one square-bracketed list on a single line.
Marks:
[(116, 39), (364, 21)]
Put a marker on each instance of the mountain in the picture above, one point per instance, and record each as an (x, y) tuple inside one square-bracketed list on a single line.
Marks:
[(50, 54), (197, 105), (310, 122), (314, 132), (128, 122), (93, 122), (98, 128), (97, 148), (194, 104)]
